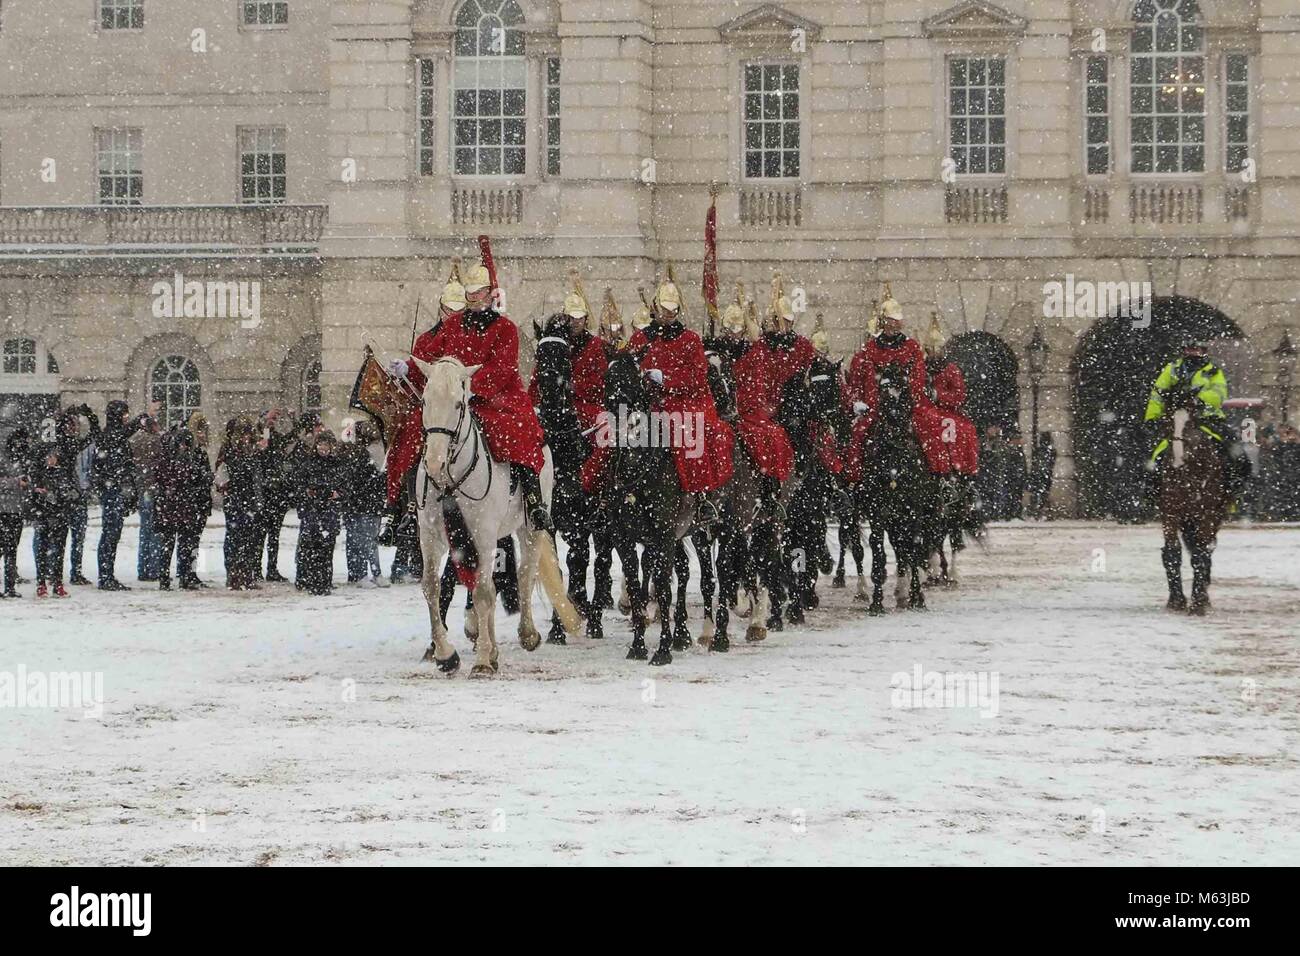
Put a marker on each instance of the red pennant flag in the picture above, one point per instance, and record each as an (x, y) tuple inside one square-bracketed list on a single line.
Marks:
[(710, 287)]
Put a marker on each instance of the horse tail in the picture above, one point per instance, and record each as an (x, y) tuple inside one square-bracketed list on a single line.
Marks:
[(548, 569)]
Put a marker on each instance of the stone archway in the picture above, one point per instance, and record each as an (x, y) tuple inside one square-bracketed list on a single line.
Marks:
[(990, 368), (1112, 371)]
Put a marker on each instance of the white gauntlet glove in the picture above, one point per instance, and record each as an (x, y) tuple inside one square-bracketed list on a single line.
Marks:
[(398, 368), (655, 375), (859, 408)]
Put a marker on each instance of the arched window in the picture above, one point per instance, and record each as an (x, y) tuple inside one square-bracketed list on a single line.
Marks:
[(1167, 87), (309, 400), (174, 384), (489, 82)]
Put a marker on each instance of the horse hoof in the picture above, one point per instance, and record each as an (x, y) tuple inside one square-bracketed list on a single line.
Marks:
[(861, 598), (637, 652), (625, 608), (837, 581), (682, 641), (755, 633), (595, 628), (775, 623), (813, 601), (661, 657), (719, 644), (1199, 608), (1176, 604), (482, 670), (794, 614), (557, 635), (530, 640), (876, 609)]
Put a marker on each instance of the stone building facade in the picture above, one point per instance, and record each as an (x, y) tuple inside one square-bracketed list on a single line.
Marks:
[(969, 153)]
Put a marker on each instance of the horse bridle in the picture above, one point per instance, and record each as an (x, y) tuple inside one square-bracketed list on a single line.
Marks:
[(454, 448)]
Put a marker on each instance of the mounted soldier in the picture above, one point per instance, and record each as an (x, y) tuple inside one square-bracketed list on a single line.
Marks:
[(893, 347), (481, 338), (948, 391), (1194, 376)]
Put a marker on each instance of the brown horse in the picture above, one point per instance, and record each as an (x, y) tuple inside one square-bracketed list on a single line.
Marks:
[(1192, 501)]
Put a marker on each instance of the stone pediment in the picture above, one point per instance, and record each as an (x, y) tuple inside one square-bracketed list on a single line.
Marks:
[(975, 18), (768, 22)]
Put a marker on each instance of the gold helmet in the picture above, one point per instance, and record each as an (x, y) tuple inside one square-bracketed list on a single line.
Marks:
[(667, 298), (575, 303), (890, 307), (821, 342), (781, 308), (733, 316), (935, 340), (641, 318), (611, 328), (477, 278), (453, 293), (753, 330)]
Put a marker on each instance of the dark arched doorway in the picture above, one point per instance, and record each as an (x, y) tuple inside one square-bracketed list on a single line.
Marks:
[(1114, 367), (989, 366)]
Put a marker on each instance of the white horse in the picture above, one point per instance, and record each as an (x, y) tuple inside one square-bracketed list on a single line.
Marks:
[(456, 463)]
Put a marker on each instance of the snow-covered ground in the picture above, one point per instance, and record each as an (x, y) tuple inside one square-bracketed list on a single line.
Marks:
[(275, 727)]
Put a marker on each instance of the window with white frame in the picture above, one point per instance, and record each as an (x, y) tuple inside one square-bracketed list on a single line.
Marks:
[(119, 163), (121, 14), (1167, 88), (489, 76), (265, 13), (771, 120), (174, 384), (553, 116), (1236, 111), (19, 357), (1096, 108), (424, 73), (977, 114), (262, 165)]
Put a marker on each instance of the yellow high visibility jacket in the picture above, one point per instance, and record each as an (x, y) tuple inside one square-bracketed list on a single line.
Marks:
[(1211, 387)]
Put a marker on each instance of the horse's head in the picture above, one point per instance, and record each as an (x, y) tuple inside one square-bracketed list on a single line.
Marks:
[(824, 388), (895, 396), (554, 361), (446, 408), (624, 386)]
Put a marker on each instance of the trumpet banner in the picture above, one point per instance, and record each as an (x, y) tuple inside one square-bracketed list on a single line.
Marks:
[(381, 397)]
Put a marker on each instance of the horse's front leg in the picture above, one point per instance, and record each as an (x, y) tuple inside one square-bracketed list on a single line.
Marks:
[(529, 639), (661, 570), (1171, 556), (682, 571), (879, 570), (486, 663), (440, 650), (627, 556)]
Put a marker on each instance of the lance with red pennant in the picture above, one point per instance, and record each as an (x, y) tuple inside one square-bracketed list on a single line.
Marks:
[(710, 284)]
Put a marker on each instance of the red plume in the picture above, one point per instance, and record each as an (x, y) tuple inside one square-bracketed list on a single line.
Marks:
[(485, 251)]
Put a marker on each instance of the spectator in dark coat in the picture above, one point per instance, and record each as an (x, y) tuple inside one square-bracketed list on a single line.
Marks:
[(78, 447), (15, 487), (115, 482), (278, 486), (299, 457), (1040, 484), (146, 450), (318, 515), (363, 504), (54, 496), (239, 480), (1017, 475), (183, 507)]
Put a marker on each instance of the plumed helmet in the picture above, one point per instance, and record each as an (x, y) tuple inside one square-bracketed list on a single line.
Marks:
[(781, 307), (611, 326), (453, 296), (733, 317), (641, 318), (935, 340), (477, 278), (667, 297), (575, 307), (821, 342)]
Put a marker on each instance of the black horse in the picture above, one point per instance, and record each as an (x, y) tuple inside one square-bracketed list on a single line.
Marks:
[(898, 494), (815, 417), (572, 513), (640, 493)]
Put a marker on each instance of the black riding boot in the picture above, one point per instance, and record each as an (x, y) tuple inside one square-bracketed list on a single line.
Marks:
[(531, 485)]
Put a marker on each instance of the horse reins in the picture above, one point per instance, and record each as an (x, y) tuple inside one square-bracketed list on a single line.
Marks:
[(454, 448)]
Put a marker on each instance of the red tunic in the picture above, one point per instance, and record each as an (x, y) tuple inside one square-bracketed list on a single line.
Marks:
[(761, 373), (499, 401), (949, 396), (862, 385), (589, 367), (685, 393)]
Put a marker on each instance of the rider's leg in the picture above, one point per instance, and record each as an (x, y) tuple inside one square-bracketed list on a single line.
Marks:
[(535, 505)]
